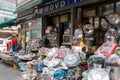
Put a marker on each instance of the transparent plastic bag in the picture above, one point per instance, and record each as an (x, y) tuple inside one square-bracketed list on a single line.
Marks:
[(72, 60), (78, 33), (30, 74), (113, 18), (99, 59), (63, 51), (51, 62), (98, 74)]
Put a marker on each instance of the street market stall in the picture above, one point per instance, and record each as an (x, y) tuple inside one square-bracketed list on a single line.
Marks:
[(80, 61), (63, 63)]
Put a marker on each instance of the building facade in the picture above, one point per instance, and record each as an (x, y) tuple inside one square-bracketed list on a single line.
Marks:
[(58, 15), (21, 3), (31, 25), (7, 7)]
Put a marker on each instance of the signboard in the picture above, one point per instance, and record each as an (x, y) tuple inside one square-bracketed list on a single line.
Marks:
[(89, 12), (56, 5)]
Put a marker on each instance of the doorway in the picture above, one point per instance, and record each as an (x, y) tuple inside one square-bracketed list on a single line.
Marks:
[(63, 26)]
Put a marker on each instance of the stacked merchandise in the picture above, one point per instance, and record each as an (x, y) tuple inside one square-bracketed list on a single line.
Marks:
[(22, 61), (64, 63), (60, 64), (67, 64), (50, 64), (105, 63), (55, 63), (33, 45)]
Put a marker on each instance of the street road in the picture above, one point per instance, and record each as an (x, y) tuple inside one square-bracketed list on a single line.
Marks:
[(8, 73)]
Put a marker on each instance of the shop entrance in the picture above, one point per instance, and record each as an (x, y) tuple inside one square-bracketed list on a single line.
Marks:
[(63, 26), (55, 28)]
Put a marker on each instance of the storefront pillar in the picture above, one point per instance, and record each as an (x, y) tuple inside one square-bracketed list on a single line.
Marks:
[(73, 20), (43, 25)]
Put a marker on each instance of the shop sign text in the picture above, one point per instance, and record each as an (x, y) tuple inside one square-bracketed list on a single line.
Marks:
[(56, 5)]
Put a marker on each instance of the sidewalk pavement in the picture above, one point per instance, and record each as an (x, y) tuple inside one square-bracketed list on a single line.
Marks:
[(8, 73)]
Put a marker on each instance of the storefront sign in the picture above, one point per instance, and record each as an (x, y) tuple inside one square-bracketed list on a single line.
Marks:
[(57, 4)]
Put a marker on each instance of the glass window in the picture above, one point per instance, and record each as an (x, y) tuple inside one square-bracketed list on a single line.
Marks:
[(105, 9), (118, 6), (34, 25), (28, 35), (34, 28), (39, 23), (9, 6), (36, 34)]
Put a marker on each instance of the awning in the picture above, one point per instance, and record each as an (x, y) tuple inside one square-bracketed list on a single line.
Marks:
[(28, 6), (7, 23)]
